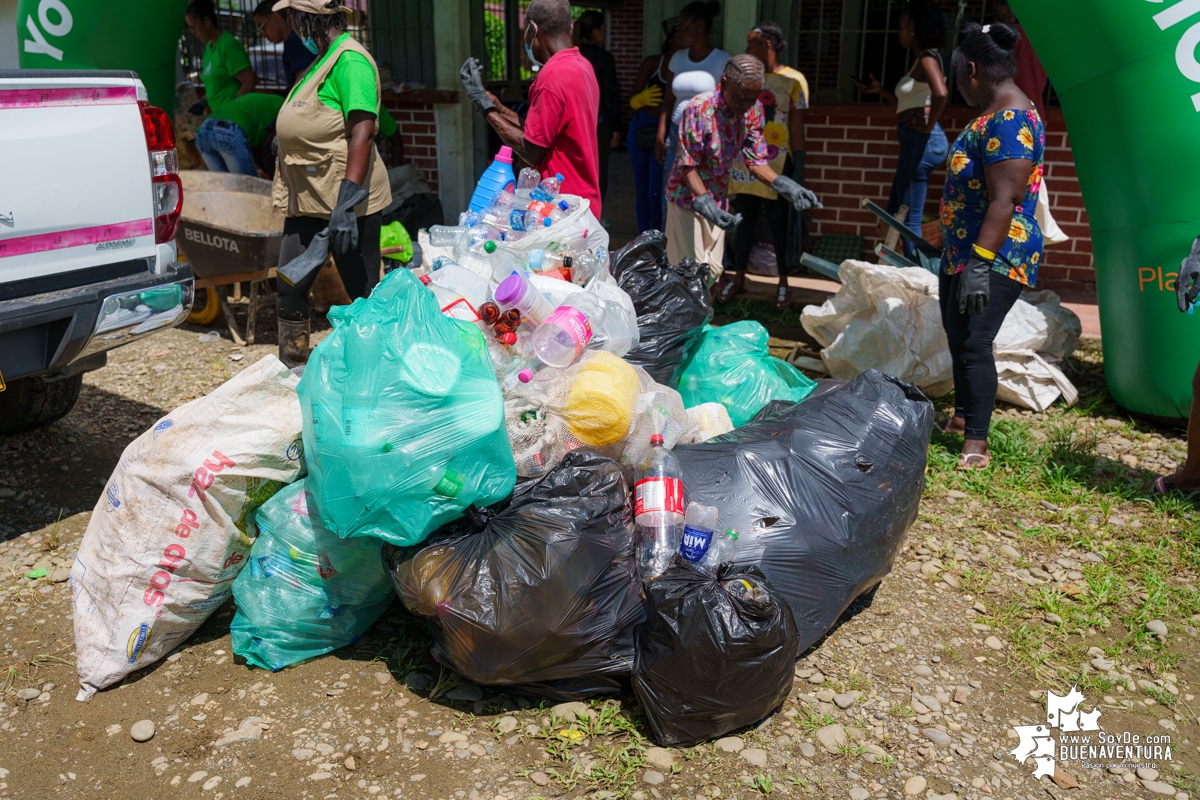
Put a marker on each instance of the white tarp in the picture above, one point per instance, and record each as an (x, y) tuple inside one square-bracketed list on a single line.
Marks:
[(888, 319)]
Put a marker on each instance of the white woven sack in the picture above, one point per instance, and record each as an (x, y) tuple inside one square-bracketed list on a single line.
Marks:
[(176, 520)]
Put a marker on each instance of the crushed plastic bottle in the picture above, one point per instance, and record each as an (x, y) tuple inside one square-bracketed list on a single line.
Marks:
[(568, 330), (528, 179), (547, 191), (478, 259), (657, 508), (722, 549), (698, 525), (448, 235)]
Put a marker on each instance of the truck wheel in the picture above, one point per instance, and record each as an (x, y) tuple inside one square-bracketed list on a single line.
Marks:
[(206, 311), (30, 403)]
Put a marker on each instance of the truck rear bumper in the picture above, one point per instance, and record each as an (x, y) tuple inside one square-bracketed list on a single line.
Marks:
[(67, 331)]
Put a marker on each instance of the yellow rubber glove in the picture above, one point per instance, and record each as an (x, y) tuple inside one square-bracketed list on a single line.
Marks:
[(650, 96)]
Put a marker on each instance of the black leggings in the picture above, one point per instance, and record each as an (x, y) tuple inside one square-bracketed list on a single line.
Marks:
[(971, 341), (359, 268), (751, 207)]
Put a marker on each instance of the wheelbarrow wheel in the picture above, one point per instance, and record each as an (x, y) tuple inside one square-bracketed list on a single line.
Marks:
[(205, 311)]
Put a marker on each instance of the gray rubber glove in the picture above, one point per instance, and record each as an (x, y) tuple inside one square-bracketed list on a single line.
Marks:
[(471, 76), (343, 225), (300, 267), (1187, 285), (974, 286), (706, 206), (799, 159), (801, 199)]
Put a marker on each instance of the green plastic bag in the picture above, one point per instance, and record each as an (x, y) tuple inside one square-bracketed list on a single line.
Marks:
[(403, 418), (394, 235), (305, 592), (733, 367)]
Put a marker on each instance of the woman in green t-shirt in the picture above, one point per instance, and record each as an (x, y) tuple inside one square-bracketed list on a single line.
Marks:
[(225, 70)]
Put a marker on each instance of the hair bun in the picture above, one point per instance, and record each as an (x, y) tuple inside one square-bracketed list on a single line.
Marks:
[(1004, 35)]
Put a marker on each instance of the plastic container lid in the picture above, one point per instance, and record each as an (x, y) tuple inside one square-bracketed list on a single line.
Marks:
[(656, 438), (505, 155), (564, 205), (489, 247), (525, 375), (547, 222), (425, 279), (558, 175), (510, 290)]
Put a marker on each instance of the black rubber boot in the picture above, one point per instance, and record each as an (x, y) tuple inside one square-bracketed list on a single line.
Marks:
[(293, 342)]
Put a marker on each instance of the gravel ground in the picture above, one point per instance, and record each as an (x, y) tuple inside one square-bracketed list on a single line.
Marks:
[(1007, 586)]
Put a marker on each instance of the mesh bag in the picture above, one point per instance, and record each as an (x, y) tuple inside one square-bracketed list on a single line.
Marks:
[(600, 402)]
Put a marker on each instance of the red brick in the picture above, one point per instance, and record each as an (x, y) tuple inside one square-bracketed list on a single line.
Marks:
[(844, 147), (822, 132), (861, 162)]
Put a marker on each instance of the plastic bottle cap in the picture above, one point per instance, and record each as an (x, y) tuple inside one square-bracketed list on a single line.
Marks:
[(564, 205), (509, 338), (547, 222), (425, 279), (558, 177), (732, 534), (505, 155), (656, 438), (489, 247), (510, 290), (525, 375)]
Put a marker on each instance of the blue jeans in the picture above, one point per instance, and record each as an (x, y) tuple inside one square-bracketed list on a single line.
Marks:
[(224, 147), (920, 154), (647, 176)]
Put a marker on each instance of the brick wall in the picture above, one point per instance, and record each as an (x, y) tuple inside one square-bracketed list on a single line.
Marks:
[(418, 130), (625, 43), (852, 153)]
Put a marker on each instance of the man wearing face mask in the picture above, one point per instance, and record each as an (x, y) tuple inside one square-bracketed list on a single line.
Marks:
[(559, 133)]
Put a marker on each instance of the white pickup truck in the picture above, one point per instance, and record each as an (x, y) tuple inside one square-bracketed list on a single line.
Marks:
[(89, 202)]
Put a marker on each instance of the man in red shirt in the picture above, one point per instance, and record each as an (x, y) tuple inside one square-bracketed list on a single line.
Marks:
[(559, 134)]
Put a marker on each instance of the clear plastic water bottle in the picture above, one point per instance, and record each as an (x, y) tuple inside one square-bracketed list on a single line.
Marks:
[(448, 235), (478, 259), (584, 268), (517, 292), (657, 508), (547, 190), (528, 179), (698, 525), (560, 211), (722, 549), (561, 339)]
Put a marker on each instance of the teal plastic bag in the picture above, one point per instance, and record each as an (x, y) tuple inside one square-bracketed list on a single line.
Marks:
[(732, 366), (403, 418), (305, 591)]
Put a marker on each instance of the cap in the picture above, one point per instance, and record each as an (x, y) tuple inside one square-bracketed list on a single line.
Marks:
[(309, 6), (525, 375), (489, 246), (510, 290), (656, 438), (509, 338), (547, 222), (505, 155), (731, 533)]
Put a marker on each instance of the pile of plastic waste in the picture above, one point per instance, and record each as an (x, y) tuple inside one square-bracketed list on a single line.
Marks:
[(497, 436)]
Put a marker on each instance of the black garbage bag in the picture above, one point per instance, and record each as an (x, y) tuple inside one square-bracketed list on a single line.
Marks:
[(672, 304), (715, 654), (821, 492), (543, 591)]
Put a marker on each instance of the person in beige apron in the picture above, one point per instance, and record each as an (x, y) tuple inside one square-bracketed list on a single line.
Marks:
[(329, 178)]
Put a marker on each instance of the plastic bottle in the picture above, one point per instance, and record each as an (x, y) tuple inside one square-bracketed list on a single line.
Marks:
[(363, 354), (744, 589), (451, 304), (462, 282), (562, 337), (547, 190), (698, 525), (528, 179), (522, 219), (722, 549), (447, 235), (560, 211), (495, 179), (583, 268), (517, 292), (478, 259), (657, 508)]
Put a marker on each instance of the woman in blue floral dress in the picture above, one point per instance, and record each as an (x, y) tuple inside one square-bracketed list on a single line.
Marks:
[(992, 242)]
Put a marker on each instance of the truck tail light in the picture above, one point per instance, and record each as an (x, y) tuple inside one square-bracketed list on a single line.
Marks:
[(164, 169)]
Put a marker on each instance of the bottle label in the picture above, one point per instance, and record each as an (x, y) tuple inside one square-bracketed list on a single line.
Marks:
[(461, 309), (575, 323), (450, 484), (541, 207), (695, 543), (658, 494), (517, 220)]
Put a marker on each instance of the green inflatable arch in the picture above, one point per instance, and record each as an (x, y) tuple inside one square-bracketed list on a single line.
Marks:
[(139, 35), (1129, 80)]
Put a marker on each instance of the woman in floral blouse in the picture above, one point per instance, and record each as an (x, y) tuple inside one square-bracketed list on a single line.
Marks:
[(992, 242)]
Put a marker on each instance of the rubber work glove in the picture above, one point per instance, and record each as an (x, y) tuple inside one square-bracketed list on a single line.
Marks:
[(799, 157), (1187, 285), (300, 267), (343, 225), (974, 286), (706, 206), (801, 199), (471, 76), (650, 96)]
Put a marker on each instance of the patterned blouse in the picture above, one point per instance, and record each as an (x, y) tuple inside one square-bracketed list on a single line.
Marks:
[(986, 140), (710, 139)]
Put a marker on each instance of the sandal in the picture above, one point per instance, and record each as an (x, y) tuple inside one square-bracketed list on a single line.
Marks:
[(1164, 486), (726, 292), (974, 461), (784, 298)]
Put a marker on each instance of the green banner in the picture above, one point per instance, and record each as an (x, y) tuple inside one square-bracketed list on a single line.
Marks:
[(99, 34), (1129, 80)]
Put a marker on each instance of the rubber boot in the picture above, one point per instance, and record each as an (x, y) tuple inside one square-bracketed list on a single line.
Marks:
[(293, 342)]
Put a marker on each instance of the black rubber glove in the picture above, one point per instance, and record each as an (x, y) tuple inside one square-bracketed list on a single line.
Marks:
[(197, 108), (799, 157), (343, 225), (801, 199), (974, 287), (1187, 285), (706, 206), (300, 267), (471, 76)]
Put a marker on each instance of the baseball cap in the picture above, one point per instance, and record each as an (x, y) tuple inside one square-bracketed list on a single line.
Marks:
[(309, 6)]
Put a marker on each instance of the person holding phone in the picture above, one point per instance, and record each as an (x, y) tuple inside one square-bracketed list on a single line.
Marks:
[(920, 98)]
